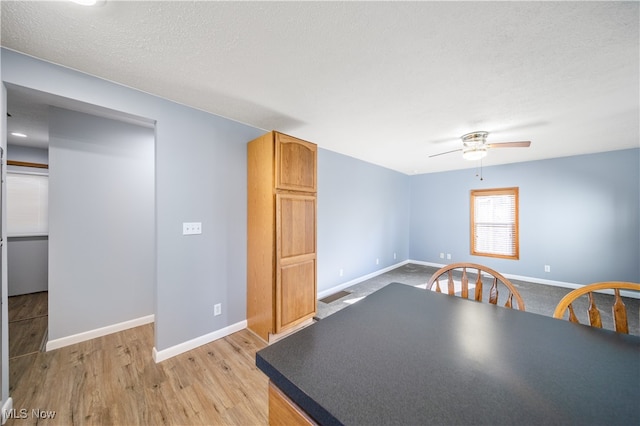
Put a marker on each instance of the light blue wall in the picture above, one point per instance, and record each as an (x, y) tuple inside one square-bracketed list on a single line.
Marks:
[(101, 222), (365, 212), (27, 265), (363, 215), (200, 165), (580, 215), (28, 154)]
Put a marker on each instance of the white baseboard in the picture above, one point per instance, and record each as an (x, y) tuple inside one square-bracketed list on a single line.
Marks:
[(624, 293), (420, 262), (6, 409), (98, 332), (332, 290), (542, 281), (336, 289), (164, 354)]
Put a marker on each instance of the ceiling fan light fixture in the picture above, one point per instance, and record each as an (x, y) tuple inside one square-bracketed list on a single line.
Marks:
[(475, 146), (475, 153)]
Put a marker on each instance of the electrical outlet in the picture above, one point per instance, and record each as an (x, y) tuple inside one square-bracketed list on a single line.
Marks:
[(441, 255), (217, 309), (448, 256), (394, 256), (191, 228), (547, 268), (341, 272), (377, 261)]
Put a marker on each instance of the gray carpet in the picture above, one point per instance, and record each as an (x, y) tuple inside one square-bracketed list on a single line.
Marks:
[(539, 298)]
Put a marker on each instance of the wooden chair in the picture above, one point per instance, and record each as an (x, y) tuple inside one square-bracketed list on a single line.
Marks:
[(493, 291), (618, 310)]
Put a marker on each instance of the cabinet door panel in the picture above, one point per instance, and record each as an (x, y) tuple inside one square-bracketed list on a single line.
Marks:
[(295, 258), (296, 294), (295, 164), (296, 225)]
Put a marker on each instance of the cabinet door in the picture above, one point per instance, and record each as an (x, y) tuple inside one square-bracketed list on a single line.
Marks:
[(296, 259), (295, 164)]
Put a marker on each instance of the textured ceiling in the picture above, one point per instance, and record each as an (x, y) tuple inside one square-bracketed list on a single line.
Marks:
[(386, 82)]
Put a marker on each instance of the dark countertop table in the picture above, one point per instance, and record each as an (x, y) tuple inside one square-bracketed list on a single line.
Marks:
[(409, 356)]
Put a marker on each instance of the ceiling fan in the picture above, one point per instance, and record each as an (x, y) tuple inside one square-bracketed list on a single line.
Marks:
[(475, 146)]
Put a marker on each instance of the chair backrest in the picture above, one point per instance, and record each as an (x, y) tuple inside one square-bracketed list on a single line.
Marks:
[(464, 283), (618, 309)]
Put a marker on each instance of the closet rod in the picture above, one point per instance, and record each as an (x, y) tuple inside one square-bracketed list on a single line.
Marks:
[(27, 164)]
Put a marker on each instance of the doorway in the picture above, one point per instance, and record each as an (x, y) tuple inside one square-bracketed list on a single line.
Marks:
[(102, 156)]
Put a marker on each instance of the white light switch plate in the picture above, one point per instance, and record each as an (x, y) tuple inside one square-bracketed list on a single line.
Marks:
[(191, 228)]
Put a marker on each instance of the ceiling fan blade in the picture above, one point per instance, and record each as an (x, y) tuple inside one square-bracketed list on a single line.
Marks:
[(448, 152), (522, 144)]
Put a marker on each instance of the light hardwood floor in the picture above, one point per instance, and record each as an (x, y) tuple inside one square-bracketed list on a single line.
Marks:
[(113, 380), (28, 314)]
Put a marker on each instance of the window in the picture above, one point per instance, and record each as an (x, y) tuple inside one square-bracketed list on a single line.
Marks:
[(494, 223), (27, 204)]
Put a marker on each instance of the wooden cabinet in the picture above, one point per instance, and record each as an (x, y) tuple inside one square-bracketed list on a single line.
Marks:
[(295, 164), (281, 234), (283, 411)]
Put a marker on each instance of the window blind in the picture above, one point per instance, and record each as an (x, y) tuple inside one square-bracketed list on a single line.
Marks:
[(27, 204), (495, 223)]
